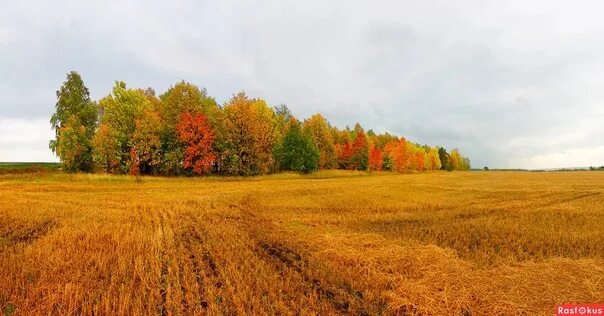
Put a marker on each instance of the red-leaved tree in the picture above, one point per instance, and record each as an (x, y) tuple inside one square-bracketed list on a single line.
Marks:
[(344, 153), (195, 132), (376, 159)]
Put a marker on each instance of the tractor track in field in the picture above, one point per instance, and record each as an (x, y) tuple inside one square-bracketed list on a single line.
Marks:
[(202, 263), (342, 297), (30, 234), (283, 258), (562, 200), (191, 238)]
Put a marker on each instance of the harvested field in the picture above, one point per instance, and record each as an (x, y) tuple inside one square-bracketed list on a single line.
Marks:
[(466, 243)]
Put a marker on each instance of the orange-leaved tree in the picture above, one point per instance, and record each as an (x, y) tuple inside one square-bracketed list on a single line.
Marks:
[(420, 157), (397, 153), (344, 152), (194, 131), (376, 159)]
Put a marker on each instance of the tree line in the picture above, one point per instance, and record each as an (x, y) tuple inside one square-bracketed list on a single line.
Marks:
[(185, 131)]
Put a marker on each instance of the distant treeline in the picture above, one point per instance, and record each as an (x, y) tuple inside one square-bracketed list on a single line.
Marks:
[(547, 170), (184, 131)]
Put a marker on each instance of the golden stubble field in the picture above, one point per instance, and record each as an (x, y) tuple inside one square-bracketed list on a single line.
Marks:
[(465, 243)]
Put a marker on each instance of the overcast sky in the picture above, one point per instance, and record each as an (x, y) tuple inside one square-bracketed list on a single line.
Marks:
[(509, 83)]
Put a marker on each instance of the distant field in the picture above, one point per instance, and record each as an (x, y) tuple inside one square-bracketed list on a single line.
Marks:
[(468, 243), (27, 167)]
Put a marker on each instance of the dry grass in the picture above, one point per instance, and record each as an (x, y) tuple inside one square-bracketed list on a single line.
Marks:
[(331, 243)]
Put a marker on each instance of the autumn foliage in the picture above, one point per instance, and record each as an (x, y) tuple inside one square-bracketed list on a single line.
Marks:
[(249, 136), (376, 159), (345, 152), (134, 162), (398, 155), (360, 152), (195, 132), (185, 131)]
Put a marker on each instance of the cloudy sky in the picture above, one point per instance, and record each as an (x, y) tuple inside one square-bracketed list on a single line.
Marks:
[(509, 83)]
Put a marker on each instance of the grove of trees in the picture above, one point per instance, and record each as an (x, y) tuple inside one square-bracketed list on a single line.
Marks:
[(184, 131)]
